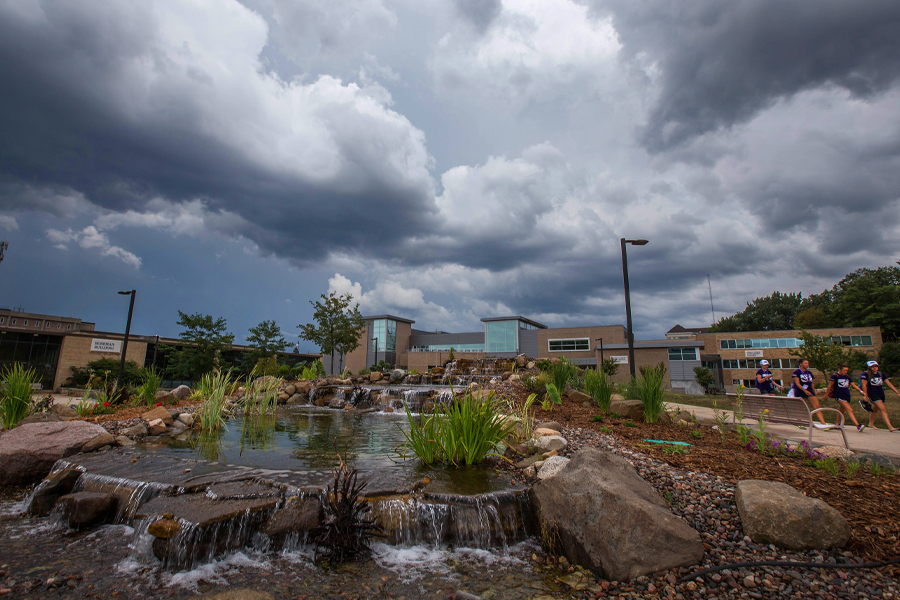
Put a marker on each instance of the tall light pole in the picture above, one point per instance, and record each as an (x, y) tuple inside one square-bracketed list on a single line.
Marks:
[(628, 300), (375, 339), (132, 293), (3, 247)]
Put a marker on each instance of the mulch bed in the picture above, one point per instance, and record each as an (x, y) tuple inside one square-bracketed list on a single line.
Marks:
[(867, 501)]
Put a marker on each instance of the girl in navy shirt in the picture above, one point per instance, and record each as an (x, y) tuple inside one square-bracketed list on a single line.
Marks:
[(803, 386), (839, 389), (873, 382), (764, 382)]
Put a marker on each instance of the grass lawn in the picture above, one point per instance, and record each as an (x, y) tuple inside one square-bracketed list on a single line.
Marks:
[(892, 404)]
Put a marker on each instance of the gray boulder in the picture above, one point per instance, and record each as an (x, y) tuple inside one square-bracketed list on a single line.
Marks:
[(134, 431), (870, 458), (27, 453), (297, 399), (600, 514), (397, 375), (104, 439), (182, 392), (296, 518), (165, 397), (775, 513), (158, 413), (552, 466), (41, 417), (549, 443), (85, 509), (56, 485)]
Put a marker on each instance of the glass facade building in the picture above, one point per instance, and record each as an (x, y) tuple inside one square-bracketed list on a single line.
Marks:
[(501, 336), (385, 331), (36, 351)]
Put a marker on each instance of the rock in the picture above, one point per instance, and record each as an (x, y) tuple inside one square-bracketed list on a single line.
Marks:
[(630, 409), (505, 375), (56, 485), (600, 514), (869, 458), (542, 431), (27, 453), (550, 425), (834, 452), (527, 462), (555, 361), (124, 441), (552, 466), (243, 594), (85, 509), (397, 375), (297, 517), (550, 442), (158, 413), (282, 398), (41, 417), (336, 403), (178, 425), (776, 513), (530, 365), (290, 390), (165, 397), (64, 412), (164, 528), (156, 427), (521, 361), (182, 392), (529, 472), (376, 376), (437, 370), (580, 397), (296, 399), (387, 409), (104, 439), (186, 418), (134, 431), (303, 387), (616, 398)]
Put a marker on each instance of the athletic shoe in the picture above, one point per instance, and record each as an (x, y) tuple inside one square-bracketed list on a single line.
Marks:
[(867, 406), (860, 428)]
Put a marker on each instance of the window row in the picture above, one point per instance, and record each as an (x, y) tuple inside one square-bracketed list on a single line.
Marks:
[(448, 347), (761, 343), (683, 354), (36, 322), (852, 340), (563, 345), (753, 363)]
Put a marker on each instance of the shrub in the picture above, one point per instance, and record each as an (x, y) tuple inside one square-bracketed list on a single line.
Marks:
[(629, 389), (561, 373), (598, 386), (544, 365), (704, 377), (609, 367), (150, 383), (267, 365), (15, 394), (106, 368), (363, 371), (651, 387), (534, 383)]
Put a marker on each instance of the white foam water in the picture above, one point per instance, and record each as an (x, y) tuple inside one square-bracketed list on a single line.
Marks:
[(416, 562), (212, 572)]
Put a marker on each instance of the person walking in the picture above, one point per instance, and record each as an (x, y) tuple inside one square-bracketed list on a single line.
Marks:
[(839, 389), (764, 382), (873, 381), (803, 386)]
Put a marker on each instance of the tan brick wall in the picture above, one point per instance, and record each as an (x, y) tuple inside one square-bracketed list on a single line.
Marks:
[(404, 331), (712, 346), (356, 360), (76, 352), (649, 357), (611, 334)]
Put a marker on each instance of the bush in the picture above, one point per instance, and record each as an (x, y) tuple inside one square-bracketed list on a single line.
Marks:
[(651, 387), (15, 394), (267, 365), (598, 386), (629, 390), (610, 367), (704, 377), (561, 373), (105, 369), (150, 383), (363, 371), (889, 358), (534, 383)]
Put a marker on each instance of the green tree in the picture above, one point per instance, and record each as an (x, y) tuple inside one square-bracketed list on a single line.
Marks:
[(813, 318), (204, 340), (337, 326), (704, 377), (770, 313), (267, 340), (889, 358), (824, 355), (610, 367), (869, 298)]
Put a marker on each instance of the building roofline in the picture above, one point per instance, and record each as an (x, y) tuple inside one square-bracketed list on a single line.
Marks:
[(515, 318), (391, 317)]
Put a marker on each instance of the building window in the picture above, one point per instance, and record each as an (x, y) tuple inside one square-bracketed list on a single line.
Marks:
[(68, 327), (447, 347), (385, 331), (569, 345), (37, 323), (24, 322), (2, 320), (852, 340), (682, 354), (761, 343), (58, 325), (501, 336), (13, 321)]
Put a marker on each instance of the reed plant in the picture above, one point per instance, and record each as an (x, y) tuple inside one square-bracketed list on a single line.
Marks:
[(561, 372), (423, 437), (261, 395), (15, 394), (213, 410), (150, 384), (598, 386), (651, 388), (523, 415)]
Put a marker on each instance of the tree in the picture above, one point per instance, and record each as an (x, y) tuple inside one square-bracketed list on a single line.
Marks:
[(704, 377), (267, 340), (771, 313), (337, 328), (869, 298), (824, 355), (204, 340), (610, 367), (889, 358), (812, 318)]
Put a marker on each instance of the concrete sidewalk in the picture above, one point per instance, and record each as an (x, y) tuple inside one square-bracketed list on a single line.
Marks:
[(876, 441)]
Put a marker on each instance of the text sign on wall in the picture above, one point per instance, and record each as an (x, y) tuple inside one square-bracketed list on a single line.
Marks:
[(753, 353), (106, 345), (620, 360)]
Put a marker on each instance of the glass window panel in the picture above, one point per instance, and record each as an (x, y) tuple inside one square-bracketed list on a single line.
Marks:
[(689, 353), (773, 343), (866, 340), (674, 353), (732, 343), (723, 344)]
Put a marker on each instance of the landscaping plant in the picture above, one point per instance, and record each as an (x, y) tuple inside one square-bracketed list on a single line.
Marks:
[(553, 394), (212, 412), (651, 387), (15, 394), (598, 386), (525, 417), (150, 384), (561, 372)]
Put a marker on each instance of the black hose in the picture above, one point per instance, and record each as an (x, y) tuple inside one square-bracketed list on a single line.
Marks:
[(788, 563)]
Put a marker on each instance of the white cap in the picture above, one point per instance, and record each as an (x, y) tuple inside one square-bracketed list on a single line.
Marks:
[(872, 363), (764, 362)]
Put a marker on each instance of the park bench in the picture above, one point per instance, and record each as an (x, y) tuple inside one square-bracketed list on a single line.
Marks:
[(784, 409)]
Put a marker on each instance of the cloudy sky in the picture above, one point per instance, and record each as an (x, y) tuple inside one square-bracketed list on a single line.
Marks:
[(443, 160)]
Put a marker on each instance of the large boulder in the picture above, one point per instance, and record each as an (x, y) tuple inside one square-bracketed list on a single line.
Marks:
[(158, 413), (86, 509), (54, 486), (397, 375), (182, 392), (631, 409), (599, 513), (41, 417), (775, 513), (165, 397), (27, 453), (297, 518), (376, 376), (104, 439), (521, 361), (580, 397)]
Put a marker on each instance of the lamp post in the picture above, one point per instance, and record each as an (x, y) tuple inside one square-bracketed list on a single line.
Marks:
[(132, 293), (628, 300), (375, 339)]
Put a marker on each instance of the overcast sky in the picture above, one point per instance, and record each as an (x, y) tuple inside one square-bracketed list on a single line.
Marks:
[(444, 160)]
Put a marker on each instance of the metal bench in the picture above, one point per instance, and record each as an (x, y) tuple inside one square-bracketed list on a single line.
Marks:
[(784, 409)]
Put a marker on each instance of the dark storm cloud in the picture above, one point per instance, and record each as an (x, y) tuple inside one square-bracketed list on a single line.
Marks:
[(95, 103), (723, 62), (479, 13)]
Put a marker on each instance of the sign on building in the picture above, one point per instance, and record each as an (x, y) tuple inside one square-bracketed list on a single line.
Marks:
[(620, 360), (106, 345), (753, 353)]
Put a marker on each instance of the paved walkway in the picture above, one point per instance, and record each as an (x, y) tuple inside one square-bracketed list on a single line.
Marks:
[(878, 441)]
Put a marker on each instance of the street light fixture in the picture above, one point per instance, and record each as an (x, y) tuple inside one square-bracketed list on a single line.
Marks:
[(628, 301), (132, 293), (375, 339)]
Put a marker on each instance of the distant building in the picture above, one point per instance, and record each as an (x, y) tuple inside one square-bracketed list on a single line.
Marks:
[(52, 345)]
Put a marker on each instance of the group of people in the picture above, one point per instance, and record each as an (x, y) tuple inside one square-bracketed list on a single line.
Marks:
[(872, 390)]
